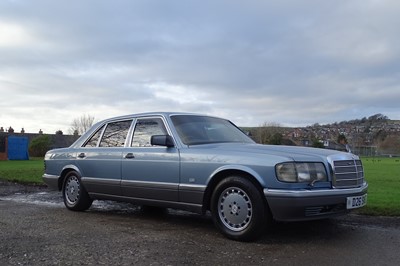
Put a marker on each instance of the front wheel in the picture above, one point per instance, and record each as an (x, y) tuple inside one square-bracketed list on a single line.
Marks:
[(74, 194), (238, 209)]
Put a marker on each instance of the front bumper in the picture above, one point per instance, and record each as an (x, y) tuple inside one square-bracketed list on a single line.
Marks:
[(299, 205)]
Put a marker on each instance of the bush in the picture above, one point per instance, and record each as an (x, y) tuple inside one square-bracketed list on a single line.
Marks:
[(317, 144), (39, 146)]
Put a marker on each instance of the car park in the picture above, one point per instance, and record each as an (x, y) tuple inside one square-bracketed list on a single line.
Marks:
[(205, 164)]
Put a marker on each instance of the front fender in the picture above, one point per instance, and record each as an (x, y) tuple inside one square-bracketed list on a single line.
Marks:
[(237, 168)]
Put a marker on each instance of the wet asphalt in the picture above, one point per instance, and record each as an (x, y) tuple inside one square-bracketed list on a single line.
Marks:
[(36, 229)]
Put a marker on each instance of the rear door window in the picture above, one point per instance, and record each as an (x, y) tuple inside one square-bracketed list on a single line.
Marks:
[(115, 134), (92, 142)]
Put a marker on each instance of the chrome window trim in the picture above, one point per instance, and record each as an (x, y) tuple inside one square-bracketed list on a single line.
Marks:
[(105, 125), (166, 126)]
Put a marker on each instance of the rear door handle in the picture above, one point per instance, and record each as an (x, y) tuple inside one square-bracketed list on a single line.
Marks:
[(82, 155), (129, 156)]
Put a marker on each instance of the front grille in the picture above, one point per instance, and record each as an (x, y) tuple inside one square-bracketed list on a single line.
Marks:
[(348, 174)]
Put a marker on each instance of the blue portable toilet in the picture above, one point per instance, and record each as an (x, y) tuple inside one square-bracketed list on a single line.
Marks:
[(18, 148)]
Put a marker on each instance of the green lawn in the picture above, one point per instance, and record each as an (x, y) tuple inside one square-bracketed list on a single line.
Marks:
[(23, 171), (383, 177), (382, 174)]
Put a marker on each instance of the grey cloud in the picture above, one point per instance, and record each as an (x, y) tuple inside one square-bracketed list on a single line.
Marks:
[(254, 61)]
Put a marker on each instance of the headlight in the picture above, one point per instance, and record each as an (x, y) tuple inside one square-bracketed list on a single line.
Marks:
[(301, 172)]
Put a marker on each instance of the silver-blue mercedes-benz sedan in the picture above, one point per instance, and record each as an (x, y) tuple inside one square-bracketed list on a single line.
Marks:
[(202, 163)]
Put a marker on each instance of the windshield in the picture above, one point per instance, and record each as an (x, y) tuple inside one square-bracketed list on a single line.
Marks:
[(204, 130)]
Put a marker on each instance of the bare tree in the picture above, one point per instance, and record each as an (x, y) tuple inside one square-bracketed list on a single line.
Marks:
[(81, 124), (269, 133), (391, 145)]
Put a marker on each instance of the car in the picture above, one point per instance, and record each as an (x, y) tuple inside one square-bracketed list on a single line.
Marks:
[(207, 165)]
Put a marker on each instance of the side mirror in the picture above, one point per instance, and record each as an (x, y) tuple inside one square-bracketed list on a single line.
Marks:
[(162, 140)]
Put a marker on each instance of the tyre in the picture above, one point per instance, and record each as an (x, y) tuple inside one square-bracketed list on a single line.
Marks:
[(238, 209), (74, 194)]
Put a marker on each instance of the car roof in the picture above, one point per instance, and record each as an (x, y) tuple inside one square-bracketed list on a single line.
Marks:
[(165, 114)]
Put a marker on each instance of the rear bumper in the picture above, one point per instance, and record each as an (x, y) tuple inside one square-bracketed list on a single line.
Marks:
[(51, 181), (298, 205)]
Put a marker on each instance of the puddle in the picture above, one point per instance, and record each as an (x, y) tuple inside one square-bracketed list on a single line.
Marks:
[(53, 199)]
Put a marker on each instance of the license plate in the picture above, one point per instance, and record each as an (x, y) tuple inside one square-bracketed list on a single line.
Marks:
[(356, 202)]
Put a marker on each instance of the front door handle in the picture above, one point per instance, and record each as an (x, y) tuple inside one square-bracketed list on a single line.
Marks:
[(129, 156)]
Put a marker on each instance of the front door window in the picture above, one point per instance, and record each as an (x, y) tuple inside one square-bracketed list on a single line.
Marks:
[(145, 128)]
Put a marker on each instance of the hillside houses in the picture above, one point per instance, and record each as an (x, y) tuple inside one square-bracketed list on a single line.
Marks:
[(362, 135), (368, 136)]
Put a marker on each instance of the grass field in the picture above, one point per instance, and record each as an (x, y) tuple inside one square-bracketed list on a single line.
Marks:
[(23, 171), (383, 177), (382, 174)]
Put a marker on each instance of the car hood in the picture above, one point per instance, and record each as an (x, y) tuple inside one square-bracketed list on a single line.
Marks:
[(288, 153)]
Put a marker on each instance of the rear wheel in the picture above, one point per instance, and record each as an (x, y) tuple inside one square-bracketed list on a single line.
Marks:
[(238, 209), (75, 196)]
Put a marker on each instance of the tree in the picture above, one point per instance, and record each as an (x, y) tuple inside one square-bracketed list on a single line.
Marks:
[(380, 136), (39, 146), (391, 145), (378, 117), (342, 139), (81, 125), (269, 133), (316, 143), (276, 139)]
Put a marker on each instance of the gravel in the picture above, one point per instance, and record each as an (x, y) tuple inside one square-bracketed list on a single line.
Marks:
[(35, 233)]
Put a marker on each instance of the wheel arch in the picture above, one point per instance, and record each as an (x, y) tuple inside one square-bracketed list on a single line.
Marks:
[(66, 169), (221, 174)]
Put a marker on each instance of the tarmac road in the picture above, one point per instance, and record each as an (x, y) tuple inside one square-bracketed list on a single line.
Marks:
[(36, 229)]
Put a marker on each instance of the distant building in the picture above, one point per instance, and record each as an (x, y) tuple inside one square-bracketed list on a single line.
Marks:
[(57, 141)]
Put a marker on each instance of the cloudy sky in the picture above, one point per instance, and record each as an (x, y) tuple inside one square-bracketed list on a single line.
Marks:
[(290, 62)]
